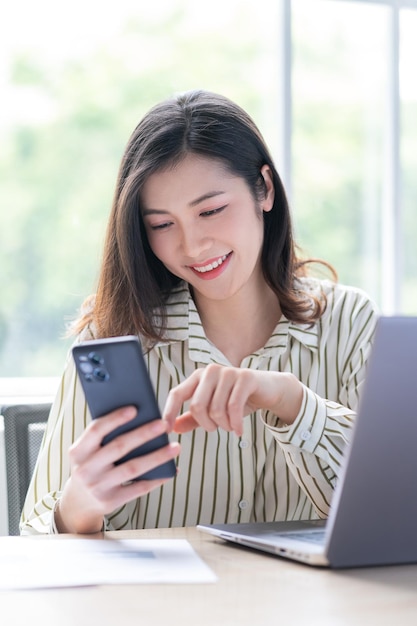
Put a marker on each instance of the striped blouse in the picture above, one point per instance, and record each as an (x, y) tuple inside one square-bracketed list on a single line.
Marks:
[(273, 471)]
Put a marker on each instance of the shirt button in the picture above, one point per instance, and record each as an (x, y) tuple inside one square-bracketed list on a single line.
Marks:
[(243, 444), (305, 435), (243, 504)]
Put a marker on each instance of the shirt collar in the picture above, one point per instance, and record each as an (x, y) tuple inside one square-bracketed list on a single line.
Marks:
[(306, 334), (184, 323)]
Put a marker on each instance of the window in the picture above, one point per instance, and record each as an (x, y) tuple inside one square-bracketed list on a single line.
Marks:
[(353, 122), (329, 82), (75, 81)]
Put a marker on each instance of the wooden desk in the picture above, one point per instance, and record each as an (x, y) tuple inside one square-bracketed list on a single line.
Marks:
[(253, 589)]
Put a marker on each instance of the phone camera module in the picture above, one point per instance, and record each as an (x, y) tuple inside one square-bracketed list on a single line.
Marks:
[(96, 358), (86, 367), (101, 374)]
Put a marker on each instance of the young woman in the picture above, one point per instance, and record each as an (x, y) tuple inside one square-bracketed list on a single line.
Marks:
[(257, 366)]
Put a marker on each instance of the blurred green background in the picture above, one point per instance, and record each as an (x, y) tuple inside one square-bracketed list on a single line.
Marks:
[(76, 80)]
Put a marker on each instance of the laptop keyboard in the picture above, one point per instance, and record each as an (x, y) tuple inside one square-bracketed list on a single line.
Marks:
[(311, 536)]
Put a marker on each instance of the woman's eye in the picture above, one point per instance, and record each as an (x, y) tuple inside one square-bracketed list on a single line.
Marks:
[(213, 211), (160, 226)]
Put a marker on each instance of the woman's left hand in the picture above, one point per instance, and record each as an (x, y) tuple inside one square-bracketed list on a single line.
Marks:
[(220, 397)]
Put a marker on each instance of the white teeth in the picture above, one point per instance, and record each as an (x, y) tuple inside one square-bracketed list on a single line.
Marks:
[(211, 266)]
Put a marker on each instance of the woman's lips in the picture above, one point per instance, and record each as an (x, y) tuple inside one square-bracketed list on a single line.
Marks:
[(212, 268)]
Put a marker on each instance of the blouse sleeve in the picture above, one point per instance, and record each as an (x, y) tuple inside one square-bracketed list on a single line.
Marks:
[(68, 418), (315, 444)]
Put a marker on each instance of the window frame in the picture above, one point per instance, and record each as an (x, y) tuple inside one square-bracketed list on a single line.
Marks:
[(392, 222)]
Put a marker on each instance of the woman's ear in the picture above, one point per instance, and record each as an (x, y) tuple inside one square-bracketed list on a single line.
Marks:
[(268, 202)]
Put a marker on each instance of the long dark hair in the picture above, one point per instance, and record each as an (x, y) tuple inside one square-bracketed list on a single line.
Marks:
[(133, 284)]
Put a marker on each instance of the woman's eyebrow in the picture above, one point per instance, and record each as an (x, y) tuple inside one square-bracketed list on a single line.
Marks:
[(193, 203), (205, 196), (153, 212)]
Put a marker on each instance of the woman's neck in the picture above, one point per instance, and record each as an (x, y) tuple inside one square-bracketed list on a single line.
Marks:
[(240, 325)]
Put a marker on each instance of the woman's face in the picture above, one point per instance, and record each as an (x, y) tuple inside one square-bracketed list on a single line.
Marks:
[(204, 225)]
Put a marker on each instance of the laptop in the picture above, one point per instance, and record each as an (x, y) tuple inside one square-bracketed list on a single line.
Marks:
[(373, 518)]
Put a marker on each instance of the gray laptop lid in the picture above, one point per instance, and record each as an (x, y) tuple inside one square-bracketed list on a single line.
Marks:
[(374, 512), (373, 519)]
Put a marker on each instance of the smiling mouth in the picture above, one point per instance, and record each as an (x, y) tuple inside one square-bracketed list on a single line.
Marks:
[(202, 269)]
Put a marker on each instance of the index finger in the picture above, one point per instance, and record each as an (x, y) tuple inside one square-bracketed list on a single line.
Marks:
[(176, 398)]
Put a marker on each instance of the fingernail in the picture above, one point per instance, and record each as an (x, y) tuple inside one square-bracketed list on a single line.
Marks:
[(175, 448)]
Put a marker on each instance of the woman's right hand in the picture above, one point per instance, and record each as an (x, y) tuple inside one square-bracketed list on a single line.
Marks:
[(97, 486)]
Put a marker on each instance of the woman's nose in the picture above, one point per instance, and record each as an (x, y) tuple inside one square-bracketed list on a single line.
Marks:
[(194, 241)]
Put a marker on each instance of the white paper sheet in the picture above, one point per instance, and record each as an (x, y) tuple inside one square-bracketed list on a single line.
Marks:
[(34, 563)]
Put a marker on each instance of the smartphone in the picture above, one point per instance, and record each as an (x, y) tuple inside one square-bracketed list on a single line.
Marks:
[(113, 374)]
